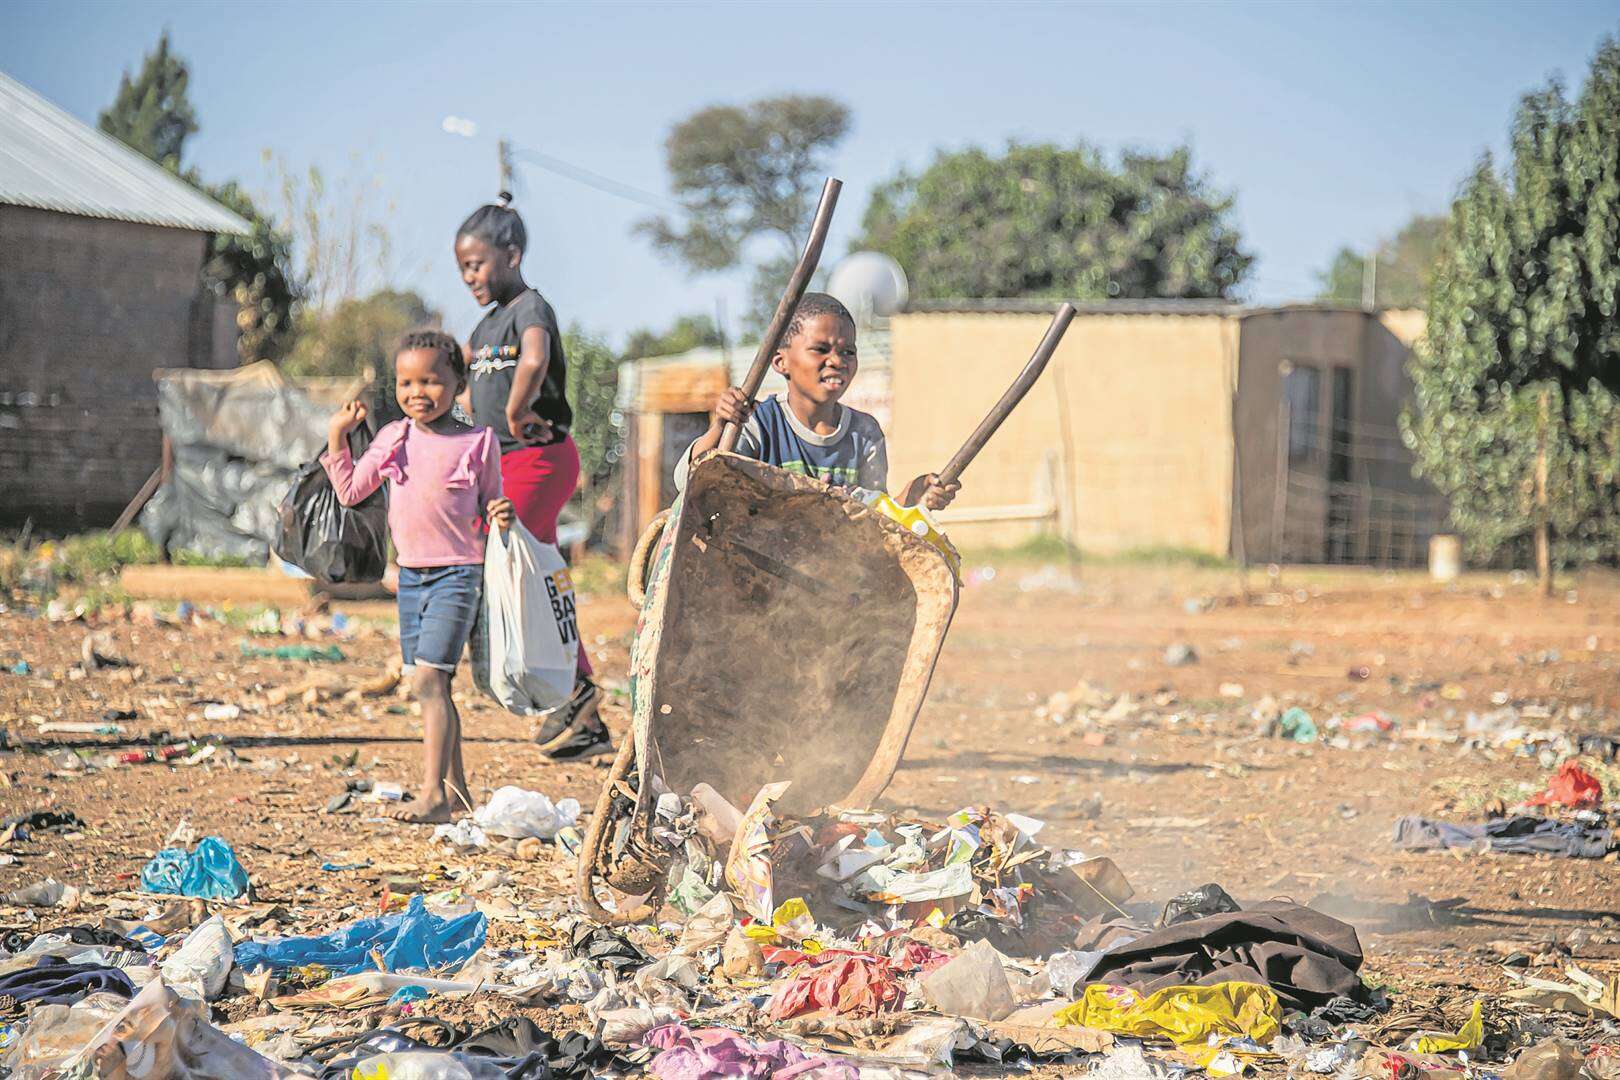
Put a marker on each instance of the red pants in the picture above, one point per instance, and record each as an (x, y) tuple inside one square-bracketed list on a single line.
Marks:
[(540, 480)]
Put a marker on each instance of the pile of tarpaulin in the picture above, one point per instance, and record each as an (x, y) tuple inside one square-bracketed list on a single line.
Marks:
[(1567, 820)]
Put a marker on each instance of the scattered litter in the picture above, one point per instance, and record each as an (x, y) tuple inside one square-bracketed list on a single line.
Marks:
[(211, 871)]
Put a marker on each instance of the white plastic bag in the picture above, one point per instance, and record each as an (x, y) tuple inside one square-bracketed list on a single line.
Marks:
[(533, 633), (515, 812), (203, 962)]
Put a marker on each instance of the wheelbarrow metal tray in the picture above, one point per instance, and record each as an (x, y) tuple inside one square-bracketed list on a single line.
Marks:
[(788, 633)]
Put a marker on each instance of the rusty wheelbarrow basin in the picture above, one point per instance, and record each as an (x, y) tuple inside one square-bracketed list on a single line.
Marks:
[(788, 633)]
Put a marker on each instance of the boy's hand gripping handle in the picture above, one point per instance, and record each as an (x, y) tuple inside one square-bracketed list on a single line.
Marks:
[(1009, 401), (797, 283)]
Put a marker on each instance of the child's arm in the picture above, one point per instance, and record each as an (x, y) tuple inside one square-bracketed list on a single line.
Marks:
[(928, 491), (351, 480), (497, 509), (534, 357)]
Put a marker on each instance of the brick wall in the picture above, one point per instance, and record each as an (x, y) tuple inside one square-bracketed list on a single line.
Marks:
[(88, 308)]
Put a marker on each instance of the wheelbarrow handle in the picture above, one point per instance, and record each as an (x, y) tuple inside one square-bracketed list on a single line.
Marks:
[(797, 283), (1009, 401)]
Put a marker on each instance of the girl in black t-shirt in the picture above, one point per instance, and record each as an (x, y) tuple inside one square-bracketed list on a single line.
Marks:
[(518, 377)]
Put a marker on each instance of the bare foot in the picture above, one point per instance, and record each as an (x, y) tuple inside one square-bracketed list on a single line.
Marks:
[(421, 812)]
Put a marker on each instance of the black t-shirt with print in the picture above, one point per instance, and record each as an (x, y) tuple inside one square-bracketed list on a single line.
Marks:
[(495, 345)]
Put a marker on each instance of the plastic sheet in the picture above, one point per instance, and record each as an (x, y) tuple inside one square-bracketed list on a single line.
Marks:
[(414, 939), (516, 812)]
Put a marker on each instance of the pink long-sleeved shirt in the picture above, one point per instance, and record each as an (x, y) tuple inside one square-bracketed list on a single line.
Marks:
[(441, 485)]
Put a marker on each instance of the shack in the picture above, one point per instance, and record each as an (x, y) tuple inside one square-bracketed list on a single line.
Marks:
[(1268, 434), (100, 259)]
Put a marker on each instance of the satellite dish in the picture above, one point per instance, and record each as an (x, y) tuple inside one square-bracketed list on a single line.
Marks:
[(870, 284)]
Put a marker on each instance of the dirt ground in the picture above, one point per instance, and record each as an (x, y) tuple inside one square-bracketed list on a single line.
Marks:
[(1173, 784)]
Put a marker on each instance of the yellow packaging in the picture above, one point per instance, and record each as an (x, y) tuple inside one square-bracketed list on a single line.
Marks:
[(1198, 1019), (915, 520)]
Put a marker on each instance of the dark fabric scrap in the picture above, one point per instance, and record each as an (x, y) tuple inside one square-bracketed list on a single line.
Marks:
[(56, 982), (1517, 835), (1306, 957)]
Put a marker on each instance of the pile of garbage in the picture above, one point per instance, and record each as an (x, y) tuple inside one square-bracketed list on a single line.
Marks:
[(840, 946)]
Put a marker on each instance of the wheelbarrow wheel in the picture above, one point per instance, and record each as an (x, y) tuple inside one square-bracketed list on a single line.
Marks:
[(641, 558), (590, 852)]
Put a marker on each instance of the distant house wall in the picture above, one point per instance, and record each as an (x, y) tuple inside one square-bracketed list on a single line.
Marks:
[(88, 308), (1125, 443), (1322, 471)]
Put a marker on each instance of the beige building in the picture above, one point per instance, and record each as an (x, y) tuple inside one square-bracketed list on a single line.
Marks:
[(1268, 434)]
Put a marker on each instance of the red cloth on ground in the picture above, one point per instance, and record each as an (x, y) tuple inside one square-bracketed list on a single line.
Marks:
[(540, 480), (1571, 786), (851, 985)]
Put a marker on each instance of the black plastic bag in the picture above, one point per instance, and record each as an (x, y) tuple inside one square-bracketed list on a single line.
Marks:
[(333, 543), (1198, 903)]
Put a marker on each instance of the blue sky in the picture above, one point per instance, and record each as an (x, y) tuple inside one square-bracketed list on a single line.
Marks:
[(1333, 122)]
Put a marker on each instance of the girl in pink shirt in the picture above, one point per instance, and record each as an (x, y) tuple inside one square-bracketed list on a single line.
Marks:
[(445, 484)]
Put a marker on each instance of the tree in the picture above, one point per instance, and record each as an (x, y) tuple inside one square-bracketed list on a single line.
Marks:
[(1045, 221), (357, 336), (255, 271), (1405, 266), (746, 172), (152, 113), (1514, 416), (338, 230), (593, 382), (685, 333)]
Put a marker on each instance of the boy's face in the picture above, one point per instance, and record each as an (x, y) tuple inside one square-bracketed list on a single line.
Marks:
[(819, 361)]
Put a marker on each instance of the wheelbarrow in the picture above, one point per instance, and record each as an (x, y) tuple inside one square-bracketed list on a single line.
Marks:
[(787, 632)]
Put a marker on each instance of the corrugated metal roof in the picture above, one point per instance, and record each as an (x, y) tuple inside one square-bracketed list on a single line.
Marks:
[(51, 161)]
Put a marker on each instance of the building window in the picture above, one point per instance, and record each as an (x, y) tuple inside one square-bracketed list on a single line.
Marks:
[(1302, 390)]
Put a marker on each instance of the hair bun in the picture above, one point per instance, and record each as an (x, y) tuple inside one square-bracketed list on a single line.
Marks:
[(504, 199)]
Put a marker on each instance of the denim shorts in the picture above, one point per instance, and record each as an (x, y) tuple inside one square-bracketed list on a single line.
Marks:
[(437, 605)]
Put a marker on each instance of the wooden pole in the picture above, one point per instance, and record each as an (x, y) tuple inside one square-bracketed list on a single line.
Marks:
[(798, 281), (1543, 528), (1009, 401)]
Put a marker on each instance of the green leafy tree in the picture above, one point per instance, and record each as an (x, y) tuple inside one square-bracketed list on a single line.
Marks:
[(742, 173), (1047, 221), (357, 336), (152, 113), (593, 381), (1404, 267), (686, 332), (1514, 416)]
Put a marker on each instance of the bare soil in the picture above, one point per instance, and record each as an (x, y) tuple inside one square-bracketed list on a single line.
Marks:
[(1177, 788)]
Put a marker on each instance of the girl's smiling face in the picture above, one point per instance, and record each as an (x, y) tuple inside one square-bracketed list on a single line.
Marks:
[(485, 269), (424, 384)]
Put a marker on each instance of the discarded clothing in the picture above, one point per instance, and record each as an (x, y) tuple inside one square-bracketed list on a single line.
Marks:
[(211, 871), (1306, 957), (1196, 1018), (849, 984), (53, 981), (718, 1054), (1570, 786), (1518, 835), (516, 1047), (415, 939)]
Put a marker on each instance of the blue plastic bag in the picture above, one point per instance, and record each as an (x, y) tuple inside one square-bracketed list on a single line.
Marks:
[(415, 939), (211, 871)]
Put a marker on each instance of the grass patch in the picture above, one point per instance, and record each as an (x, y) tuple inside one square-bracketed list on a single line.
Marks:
[(1049, 547), (1161, 555), (86, 559), (194, 558)]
